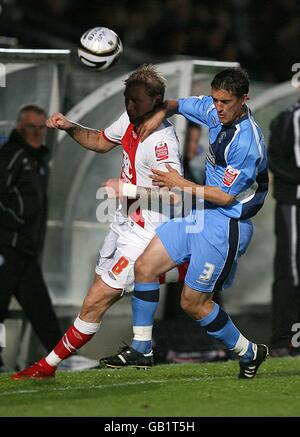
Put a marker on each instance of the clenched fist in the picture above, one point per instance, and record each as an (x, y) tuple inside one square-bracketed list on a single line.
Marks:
[(58, 121)]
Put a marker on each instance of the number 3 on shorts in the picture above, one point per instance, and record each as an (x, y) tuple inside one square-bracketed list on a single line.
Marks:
[(120, 266), (207, 272)]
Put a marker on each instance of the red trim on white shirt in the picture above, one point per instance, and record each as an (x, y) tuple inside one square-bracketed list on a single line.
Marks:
[(130, 143), (106, 137)]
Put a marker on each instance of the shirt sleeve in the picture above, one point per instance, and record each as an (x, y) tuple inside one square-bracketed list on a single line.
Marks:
[(117, 129), (163, 150), (200, 110), (241, 170)]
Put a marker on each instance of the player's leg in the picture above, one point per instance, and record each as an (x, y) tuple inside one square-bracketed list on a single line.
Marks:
[(212, 269), (149, 266), (161, 255), (99, 298)]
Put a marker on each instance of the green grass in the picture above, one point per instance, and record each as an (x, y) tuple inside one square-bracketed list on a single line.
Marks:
[(208, 389)]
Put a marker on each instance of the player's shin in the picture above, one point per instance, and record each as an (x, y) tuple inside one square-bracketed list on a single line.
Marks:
[(76, 336), (219, 325), (144, 304)]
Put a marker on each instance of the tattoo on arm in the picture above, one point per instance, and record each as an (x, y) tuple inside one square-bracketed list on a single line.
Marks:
[(83, 135), (155, 194)]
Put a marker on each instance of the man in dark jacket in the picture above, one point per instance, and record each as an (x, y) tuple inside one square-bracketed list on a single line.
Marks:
[(284, 161), (23, 215)]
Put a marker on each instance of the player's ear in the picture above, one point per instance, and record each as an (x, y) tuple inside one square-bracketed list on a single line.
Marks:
[(245, 98), (158, 100)]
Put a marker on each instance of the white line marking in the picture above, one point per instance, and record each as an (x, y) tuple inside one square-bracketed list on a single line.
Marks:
[(102, 386)]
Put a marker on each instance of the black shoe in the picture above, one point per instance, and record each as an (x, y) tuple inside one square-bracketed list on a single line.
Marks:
[(128, 357), (248, 370)]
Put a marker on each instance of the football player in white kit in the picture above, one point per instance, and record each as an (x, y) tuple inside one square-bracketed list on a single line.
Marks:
[(130, 231)]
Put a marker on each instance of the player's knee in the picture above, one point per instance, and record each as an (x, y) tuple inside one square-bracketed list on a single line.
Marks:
[(138, 266), (142, 270)]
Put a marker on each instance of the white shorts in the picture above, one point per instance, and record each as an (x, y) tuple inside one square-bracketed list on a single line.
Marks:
[(118, 253)]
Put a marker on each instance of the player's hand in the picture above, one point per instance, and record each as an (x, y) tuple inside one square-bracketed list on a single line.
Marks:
[(58, 121), (170, 178), (114, 188), (149, 124)]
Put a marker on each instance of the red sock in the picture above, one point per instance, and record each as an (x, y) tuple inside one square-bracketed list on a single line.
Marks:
[(70, 342)]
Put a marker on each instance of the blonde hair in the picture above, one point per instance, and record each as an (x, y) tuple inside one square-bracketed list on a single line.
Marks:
[(147, 75)]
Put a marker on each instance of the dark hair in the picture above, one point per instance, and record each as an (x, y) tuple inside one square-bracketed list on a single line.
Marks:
[(31, 107), (235, 80), (147, 75)]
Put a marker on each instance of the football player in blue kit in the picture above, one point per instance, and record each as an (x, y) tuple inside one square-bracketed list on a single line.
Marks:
[(236, 184)]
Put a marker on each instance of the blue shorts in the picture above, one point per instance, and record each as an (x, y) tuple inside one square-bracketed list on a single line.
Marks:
[(212, 242)]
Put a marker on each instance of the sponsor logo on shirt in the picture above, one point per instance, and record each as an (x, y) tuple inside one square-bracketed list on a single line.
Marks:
[(222, 137), (230, 176), (127, 173), (161, 151)]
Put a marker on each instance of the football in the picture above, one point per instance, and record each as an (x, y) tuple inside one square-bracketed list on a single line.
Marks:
[(100, 48)]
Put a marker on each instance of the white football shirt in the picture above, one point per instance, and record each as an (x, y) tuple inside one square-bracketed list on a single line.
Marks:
[(159, 148)]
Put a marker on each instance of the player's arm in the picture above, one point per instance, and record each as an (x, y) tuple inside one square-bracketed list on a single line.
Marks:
[(154, 120), (116, 188), (172, 179), (199, 110), (91, 139)]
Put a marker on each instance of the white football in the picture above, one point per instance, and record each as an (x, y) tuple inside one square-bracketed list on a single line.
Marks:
[(100, 48)]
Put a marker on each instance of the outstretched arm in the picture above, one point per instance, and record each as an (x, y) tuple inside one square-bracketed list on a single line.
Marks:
[(173, 179), (91, 139), (116, 188)]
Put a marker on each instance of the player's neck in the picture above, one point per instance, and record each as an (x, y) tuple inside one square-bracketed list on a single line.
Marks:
[(244, 111)]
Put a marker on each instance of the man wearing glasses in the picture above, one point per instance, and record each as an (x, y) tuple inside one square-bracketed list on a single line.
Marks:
[(23, 216)]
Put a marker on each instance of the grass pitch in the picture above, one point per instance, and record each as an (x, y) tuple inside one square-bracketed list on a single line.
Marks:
[(185, 390)]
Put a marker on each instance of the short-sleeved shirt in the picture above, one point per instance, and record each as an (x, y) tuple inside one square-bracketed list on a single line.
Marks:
[(159, 148), (236, 162)]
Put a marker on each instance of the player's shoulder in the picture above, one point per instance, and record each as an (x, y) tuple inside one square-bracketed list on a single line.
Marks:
[(166, 129), (248, 129), (165, 133), (250, 143), (195, 99), (124, 119), (196, 103)]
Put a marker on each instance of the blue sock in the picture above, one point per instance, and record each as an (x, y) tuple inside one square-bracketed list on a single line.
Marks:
[(144, 303), (219, 325)]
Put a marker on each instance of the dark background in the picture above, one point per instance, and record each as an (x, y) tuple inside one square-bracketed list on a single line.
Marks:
[(263, 35)]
